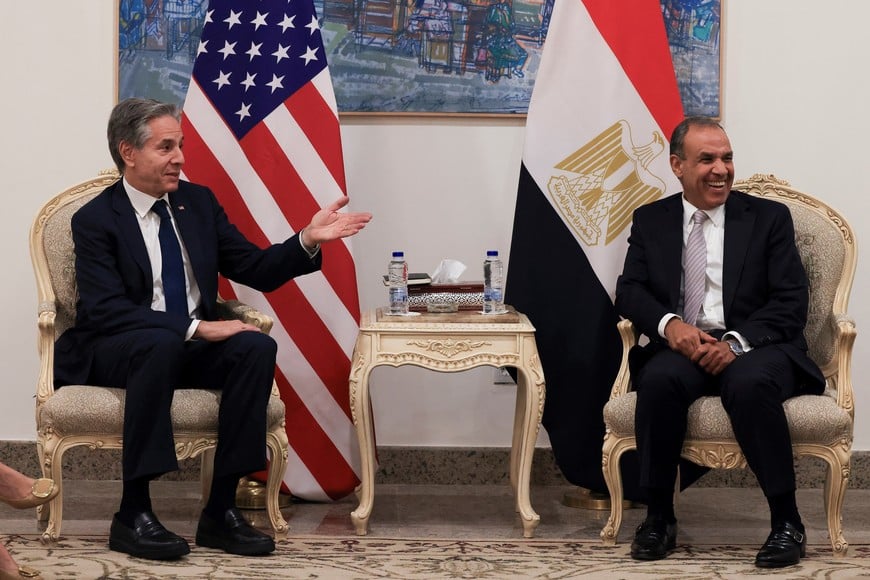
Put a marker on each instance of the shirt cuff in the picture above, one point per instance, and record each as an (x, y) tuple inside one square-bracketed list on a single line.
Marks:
[(191, 330), (739, 338), (310, 251), (664, 322)]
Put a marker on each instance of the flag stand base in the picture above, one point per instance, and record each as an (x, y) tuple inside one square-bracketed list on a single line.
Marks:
[(582, 498), (251, 495)]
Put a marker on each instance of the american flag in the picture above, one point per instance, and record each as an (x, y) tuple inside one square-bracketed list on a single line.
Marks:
[(261, 130)]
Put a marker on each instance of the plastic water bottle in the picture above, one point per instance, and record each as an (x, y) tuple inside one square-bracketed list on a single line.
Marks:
[(493, 284), (398, 278)]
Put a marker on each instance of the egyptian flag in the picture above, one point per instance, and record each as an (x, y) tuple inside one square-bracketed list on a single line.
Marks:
[(604, 104)]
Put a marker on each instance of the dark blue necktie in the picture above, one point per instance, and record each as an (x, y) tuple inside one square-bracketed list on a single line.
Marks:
[(172, 270)]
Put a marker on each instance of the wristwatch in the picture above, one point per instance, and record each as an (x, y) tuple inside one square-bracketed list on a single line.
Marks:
[(735, 346)]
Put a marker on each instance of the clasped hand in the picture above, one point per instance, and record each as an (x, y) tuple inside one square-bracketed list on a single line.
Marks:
[(706, 351)]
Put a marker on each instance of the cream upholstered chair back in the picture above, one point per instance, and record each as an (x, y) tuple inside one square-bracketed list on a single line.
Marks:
[(829, 253), (91, 416), (820, 425)]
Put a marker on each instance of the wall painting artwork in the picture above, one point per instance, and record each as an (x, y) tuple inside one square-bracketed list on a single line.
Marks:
[(419, 57)]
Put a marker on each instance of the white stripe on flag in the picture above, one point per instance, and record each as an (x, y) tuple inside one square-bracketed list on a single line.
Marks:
[(305, 158), (323, 83), (301, 481), (340, 322), (266, 211)]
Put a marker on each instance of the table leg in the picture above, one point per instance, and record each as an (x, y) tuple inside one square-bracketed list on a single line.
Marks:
[(361, 409), (530, 401)]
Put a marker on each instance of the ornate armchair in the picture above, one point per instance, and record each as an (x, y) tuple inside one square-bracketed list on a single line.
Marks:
[(820, 425), (77, 415)]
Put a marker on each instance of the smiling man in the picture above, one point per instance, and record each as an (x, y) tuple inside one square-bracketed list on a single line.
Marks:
[(713, 278)]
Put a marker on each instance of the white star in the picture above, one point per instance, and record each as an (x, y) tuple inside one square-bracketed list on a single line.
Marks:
[(259, 20), (243, 112), (228, 49), (281, 53), (249, 81), (223, 79), (233, 19), (310, 54), (201, 48), (254, 50), (276, 83), (208, 17), (287, 23), (313, 25)]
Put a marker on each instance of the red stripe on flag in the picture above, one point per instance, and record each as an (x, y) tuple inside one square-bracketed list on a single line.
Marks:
[(313, 446), (339, 269), (313, 340), (209, 170), (644, 54), (281, 178), (320, 125)]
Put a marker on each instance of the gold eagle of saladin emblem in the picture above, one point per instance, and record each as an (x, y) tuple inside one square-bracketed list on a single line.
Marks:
[(599, 186)]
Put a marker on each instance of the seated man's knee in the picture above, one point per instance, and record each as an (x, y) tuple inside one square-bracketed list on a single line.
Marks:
[(253, 345), (750, 389), (664, 375)]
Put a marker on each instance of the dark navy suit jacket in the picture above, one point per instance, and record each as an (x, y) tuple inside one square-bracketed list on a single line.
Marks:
[(114, 279), (764, 285)]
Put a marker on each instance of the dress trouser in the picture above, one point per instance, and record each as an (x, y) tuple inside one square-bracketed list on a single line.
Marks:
[(150, 364), (752, 388)]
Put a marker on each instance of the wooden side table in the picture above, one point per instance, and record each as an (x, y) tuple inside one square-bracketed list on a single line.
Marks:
[(450, 343)]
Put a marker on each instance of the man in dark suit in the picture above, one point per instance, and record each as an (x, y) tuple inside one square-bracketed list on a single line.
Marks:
[(724, 312), (147, 328)]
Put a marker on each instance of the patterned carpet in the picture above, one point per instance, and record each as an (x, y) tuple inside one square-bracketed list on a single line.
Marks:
[(368, 558)]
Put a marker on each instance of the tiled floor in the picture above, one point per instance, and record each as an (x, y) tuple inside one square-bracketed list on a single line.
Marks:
[(706, 515)]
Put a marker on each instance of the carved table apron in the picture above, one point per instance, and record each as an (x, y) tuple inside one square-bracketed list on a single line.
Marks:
[(450, 343)]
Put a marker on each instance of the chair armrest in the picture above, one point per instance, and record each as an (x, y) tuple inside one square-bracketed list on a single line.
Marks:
[(233, 309), (845, 340), (46, 314), (629, 335)]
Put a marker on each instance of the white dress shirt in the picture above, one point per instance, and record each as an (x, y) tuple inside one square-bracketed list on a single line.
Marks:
[(712, 315), (149, 223)]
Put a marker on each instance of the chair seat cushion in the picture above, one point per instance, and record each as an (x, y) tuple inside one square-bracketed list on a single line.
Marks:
[(84, 410), (811, 418)]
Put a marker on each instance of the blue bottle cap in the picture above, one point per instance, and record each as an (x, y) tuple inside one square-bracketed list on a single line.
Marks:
[(492, 252), (398, 254)]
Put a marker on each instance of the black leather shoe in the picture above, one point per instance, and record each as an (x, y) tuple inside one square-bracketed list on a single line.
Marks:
[(146, 539), (233, 534), (785, 546), (653, 539)]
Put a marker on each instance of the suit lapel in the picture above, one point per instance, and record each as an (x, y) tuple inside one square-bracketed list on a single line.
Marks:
[(672, 247), (739, 220), (129, 229)]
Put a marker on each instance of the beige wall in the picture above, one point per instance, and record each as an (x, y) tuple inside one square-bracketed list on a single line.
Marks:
[(793, 99)]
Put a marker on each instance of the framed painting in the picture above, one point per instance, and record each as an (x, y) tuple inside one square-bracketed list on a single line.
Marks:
[(418, 57)]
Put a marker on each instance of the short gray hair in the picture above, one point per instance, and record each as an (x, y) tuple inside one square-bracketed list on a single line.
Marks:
[(678, 137), (129, 122)]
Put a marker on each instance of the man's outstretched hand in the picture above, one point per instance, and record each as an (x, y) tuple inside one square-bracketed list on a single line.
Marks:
[(328, 224)]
